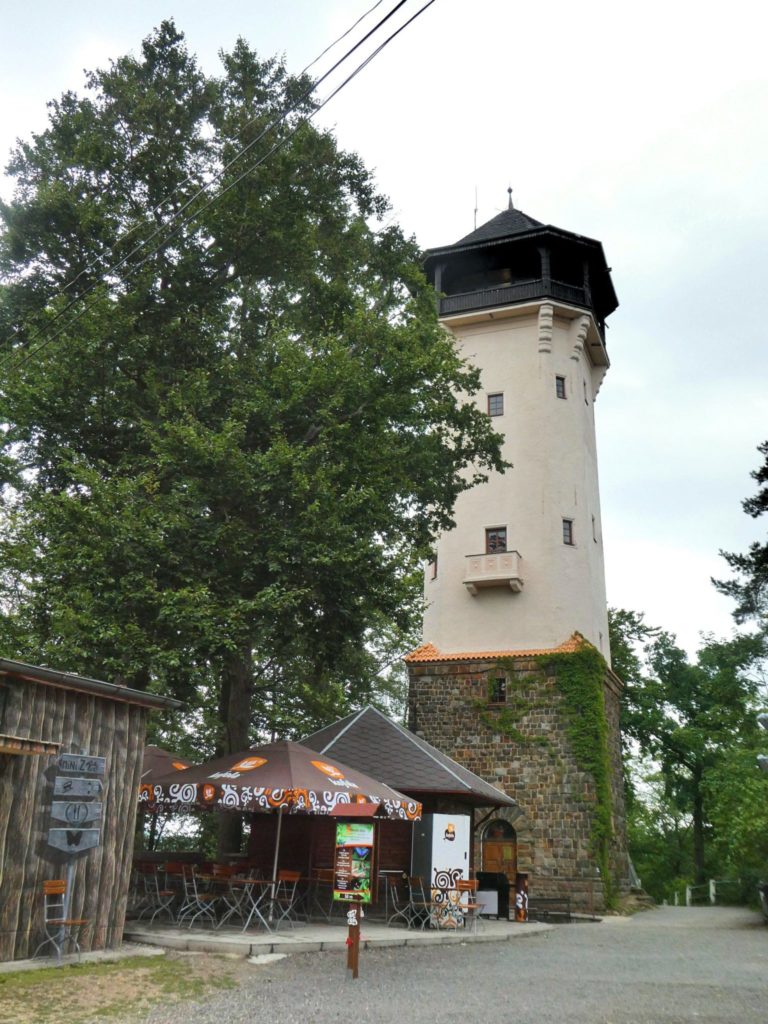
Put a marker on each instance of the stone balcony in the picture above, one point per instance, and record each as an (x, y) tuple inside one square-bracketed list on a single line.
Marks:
[(500, 569)]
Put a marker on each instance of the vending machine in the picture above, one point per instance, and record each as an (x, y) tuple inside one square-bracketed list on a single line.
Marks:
[(440, 857)]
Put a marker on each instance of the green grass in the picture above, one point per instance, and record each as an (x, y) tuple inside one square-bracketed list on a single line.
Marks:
[(80, 994)]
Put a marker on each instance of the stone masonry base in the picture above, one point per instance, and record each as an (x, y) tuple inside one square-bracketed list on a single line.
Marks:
[(521, 746)]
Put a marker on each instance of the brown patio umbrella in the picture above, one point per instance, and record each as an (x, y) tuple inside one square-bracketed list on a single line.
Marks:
[(283, 776), (159, 762), (156, 764)]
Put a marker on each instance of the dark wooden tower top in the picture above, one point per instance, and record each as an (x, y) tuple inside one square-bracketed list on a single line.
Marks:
[(514, 259)]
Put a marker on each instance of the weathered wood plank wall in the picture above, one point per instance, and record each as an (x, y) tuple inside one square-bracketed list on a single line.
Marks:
[(78, 722)]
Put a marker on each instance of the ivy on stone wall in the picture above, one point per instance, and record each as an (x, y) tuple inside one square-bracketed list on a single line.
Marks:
[(505, 718), (579, 676)]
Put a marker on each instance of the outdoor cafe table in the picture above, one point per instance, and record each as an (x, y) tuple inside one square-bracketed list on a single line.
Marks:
[(232, 891), (271, 905), (257, 898)]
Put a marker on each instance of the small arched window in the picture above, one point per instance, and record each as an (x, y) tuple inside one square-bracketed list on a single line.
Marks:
[(499, 829)]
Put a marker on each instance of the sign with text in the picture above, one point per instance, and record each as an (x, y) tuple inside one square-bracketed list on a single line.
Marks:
[(75, 812), (353, 866), (80, 806), (63, 786), (84, 763), (73, 840)]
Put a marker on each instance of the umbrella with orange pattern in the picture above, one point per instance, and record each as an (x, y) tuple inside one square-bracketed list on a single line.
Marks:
[(284, 776)]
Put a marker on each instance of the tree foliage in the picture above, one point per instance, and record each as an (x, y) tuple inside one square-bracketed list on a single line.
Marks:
[(221, 468), (660, 836), (691, 720), (737, 798), (750, 587)]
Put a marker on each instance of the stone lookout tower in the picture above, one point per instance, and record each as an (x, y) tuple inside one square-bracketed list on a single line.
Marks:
[(515, 595)]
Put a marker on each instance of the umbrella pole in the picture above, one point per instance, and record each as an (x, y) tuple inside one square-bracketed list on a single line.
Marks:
[(274, 864)]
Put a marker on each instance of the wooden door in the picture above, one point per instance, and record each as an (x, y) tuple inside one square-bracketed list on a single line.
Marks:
[(500, 856)]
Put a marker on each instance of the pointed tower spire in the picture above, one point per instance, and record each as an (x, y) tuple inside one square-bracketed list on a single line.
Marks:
[(511, 204)]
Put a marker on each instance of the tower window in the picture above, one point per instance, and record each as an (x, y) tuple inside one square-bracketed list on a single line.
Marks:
[(594, 530), (586, 400), (568, 531), (560, 387), (496, 404), (497, 691), (433, 568), (495, 539)]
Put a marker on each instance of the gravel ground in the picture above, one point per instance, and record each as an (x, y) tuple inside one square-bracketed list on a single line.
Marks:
[(662, 967)]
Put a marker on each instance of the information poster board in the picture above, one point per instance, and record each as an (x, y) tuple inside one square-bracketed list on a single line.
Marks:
[(353, 864)]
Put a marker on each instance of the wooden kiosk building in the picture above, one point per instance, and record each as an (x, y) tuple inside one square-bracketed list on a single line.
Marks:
[(368, 739), (64, 815)]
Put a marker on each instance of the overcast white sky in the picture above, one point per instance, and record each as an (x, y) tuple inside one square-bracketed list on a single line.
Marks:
[(644, 126)]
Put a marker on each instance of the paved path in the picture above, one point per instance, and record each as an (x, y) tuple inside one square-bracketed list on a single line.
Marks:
[(662, 967), (318, 937)]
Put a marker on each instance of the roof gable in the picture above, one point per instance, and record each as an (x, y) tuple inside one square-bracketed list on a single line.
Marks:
[(371, 742)]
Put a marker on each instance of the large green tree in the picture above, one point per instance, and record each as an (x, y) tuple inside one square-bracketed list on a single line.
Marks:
[(690, 718), (702, 710), (221, 466)]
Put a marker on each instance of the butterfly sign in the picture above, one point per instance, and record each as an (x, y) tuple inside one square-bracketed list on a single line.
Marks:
[(73, 840)]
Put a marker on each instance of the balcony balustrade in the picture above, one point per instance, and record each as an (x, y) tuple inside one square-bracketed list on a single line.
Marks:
[(500, 569), (520, 291)]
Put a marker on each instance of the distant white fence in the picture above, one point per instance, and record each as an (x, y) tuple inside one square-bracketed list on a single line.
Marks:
[(699, 895)]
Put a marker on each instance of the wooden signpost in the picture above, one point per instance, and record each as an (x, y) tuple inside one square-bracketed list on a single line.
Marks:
[(77, 809), (76, 840), (354, 914), (64, 786), (82, 763), (75, 812)]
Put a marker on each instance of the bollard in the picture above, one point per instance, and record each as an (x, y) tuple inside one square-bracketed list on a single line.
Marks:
[(353, 939)]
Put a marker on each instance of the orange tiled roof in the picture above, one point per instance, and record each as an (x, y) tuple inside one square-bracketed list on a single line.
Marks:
[(428, 652)]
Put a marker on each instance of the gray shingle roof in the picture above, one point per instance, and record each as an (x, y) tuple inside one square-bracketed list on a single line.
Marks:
[(508, 222), (371, 742)]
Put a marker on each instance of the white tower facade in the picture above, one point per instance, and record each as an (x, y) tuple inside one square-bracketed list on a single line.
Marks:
[(523, 568)]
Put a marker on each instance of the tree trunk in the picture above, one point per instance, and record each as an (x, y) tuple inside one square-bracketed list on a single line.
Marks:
[(235, 718), (698, 828)]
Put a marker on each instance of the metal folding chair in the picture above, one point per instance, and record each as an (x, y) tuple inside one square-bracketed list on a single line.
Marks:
[(400, 910), (197, 903), (422, 909), (137, 894), (471, 909), (60, 929), (256, 901), (231, 893), (285, 898), (320, 895), (157, 900)]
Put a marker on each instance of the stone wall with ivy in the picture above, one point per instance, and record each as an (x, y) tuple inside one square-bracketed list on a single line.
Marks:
[(552, 743)]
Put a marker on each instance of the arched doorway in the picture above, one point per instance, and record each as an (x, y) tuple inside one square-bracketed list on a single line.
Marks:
[(500, 848)]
